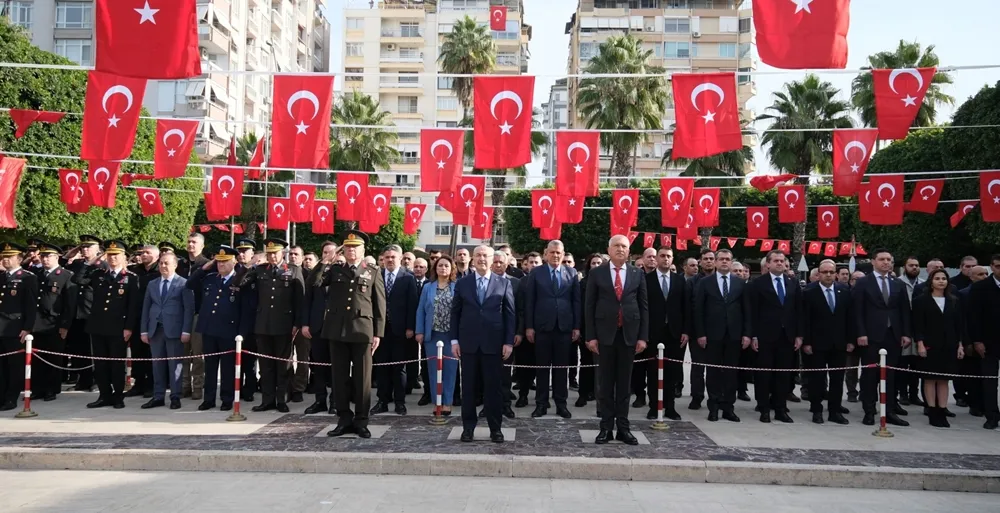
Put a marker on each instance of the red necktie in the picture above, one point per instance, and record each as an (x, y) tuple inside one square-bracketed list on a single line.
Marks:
[(618, 292)]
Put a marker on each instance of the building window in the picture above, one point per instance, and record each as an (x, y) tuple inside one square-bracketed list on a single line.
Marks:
[(408, 135), (355, 23), (408, 77), (447, 103), (442, 229), (409, 53), (677, 25), (407, 104), (727, 50), (447, 124), (446, 83), (74, 15), (354, 70), (743, 79), (79, 51), (672, 50), (409, 157), (744, 50), (401, 180), (21, 14), (729, 24), (588, 51), (744, 25), (506, 59), (409, 29), (354, 49)]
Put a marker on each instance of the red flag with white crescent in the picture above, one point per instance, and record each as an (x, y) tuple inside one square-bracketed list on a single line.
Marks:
[(828, 222), (110, 116), (70, 181), (665, 240), (814, 248), (791, 203), (675, 200), (468, 200), (648, 239), (149, 201), (577, 163), (688, 230), (706, 206), (624, 208), (379, 199), (802, 34), (899, 94), (502, 130), (926, 194), (277, 213), (989, 196), (732, 241), (963, 209), (301, 196), (766, 245), (322, 219), (174, 142), (830, 249), (482, 228), (886, 200), (10, 178), (227, 190), (852, 149), (212, 208), (543, 212), (708, 116), (352, 196), (83, 202), (498, 18), (785, 246), (300, 121), (713, 242), (443, 154), (149, 39), (413, 213), (102, 177)]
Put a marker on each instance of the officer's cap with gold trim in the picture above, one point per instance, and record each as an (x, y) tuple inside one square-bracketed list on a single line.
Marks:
[(114, 247), (225, 254), (33, 244), (48, 249), (167, 247), (10, 249), (88, 240), (274, 245), (245, 243), (355, 238)]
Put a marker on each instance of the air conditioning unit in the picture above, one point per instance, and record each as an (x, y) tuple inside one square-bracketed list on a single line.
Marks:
[(696, 34), (204, 52), (391, 48), (649, 29)]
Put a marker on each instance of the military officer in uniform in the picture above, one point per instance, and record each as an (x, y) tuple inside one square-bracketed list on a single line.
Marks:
[(248, 387), (18, 296), (113, 315), (83, 261), (313, 330), (280, 295), (32, 260), (147, 270), (354, 324), (56, 310)]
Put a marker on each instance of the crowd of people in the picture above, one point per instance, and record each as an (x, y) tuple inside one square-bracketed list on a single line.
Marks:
[(543, 323)]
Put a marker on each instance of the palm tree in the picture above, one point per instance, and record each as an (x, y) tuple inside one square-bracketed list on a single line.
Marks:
[(467, 50), (362, 149), (622, 103), (906, 55), (800, 106), (710, 169)]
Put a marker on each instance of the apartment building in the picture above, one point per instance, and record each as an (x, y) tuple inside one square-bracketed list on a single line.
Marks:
[(404, 37), (252, 35), (555, 116), (685, 36)]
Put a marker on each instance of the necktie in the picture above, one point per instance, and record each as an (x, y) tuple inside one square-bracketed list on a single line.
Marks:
[(885, 289), (163, 289), (481, 289), (781, 290), (618, 292), (665, 287), (829, 299), (389, 281), (555, 281), (725, 287)]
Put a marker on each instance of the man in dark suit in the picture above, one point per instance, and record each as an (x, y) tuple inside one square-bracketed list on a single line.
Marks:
[(972, 364), (552, 323), (56, 311), (483, 324), (826, 332), (776, 334), (962, 279), (617, 317), (882, 315), (18, 307), (401, 296), (166, 326), (721, 325), (984, 302), (668, 315), (313, 330), (524, 353), (500, 267), (704, 266)]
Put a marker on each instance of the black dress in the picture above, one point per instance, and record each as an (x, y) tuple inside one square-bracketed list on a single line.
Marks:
[(940, 333)]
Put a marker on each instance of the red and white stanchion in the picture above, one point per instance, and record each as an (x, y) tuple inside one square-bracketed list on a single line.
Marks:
[(26, 412), (659, 424), (438, 419), (236, 415), (129, 382), (882, 431)]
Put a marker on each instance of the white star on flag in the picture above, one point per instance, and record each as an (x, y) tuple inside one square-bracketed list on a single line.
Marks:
[(301, 127), (572, 201), (578, 168), (791, 205), (322, 219), (468, 203), (171, 152), (909, 101), (758, 225), (885, 203), (545, 211), (624, 210), (146, 14), (709, 116), (802, 5), (925, 198), (505, 127), (996, 199), (676, 206), (440, 164), (352, 200), (855, 168), (302, 205), (113, 121), (225, 194), (100, 186), (828, 224)]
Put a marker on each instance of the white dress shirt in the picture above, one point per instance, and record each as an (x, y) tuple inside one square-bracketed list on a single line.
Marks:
[(487, 277), (620, 271), (718, 280), (774, 278), (833, 294)]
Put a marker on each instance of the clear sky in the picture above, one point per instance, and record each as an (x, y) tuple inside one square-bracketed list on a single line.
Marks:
[(964, 32)]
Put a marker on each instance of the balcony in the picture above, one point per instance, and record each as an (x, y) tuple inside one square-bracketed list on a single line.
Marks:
[(393, 85), (276, 19), (394, 60), (390, 35), (401, 10), (213, 39), (253, 63), (301, 47), (252, 95), (253, 25)]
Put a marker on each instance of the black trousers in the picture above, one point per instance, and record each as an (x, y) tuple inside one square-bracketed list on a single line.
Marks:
[(989, 365), (972, 365), (477, 366), (215, 366), (391, 379), (425, 366), (615, 362), (771, 388), (78, 344), (574, 360), (506, 380), (352, 363), (748, 359), (524, 354), (552, 348), (273, 385), (321, 374), (822, 359), (110, 375), (587, 373), (721, 382), (142, 371), (851, 376), (698, 372), (870, 376), (411, 351), (249, 384), (908, 383), (673, 372), (11, 370), (47, 380)]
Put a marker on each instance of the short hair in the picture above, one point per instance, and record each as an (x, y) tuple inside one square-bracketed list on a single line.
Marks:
[(459, 250), (705, 251), (724, 251), (828, 261), (995, 257), (196, 236), (328, 243), (532, 255), (911, 257), (737, 264), (394, 248), (500, 254), (570, 255), (311, 253), (689, 259), (647, 251), (298, 248), (554, 243), (169, 254), (773, 252), (879, 251)]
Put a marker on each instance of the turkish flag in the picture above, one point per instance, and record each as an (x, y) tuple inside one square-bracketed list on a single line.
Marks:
[(212, 208), (277, 213), (696, 240), (886, 200), (147, 39), (864, 202), (577, 163), (569, 209), (379, 199), (989, 196), (899, 93), (791, 204), (815, 248), (103, 182), (706, 206), (322, 219), (257, 160), (785, 246), (553, 233), (69, 183), (543, 211), (845, 248), (174, 142), (221, 227), (708, 118), (227, 190), (502, 126), (632, 236), (764, 183), (413, 213), (301, 196), (300, 121), (688, 230), (482, 228), (675, 200), (624, 208), (749, 243), (149, 201), (82, 203), (802, 34), (682, 244), (128, 178), (648, 239), (713, 242), (443, 153), (469, 200), (830, 249), (926, 194), (231, 154), (446, 200), (110, 116), (10, 178), (757, 222), (852, 148), (498, 18), (352, 195), (963, 209), (665, 240), (732, 241), (766, 245), (24, 118), (828, 222)]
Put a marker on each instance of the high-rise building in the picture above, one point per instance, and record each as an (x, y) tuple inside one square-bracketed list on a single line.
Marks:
[(555, 116), (404, 37), (233, 35), (685, 36)]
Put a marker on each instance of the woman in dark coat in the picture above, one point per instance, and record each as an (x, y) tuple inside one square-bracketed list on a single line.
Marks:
[(937, 332)]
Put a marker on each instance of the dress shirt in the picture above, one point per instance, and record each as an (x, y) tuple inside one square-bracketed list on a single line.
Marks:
[(833, 293), (718, 280), (621, 272), (775, 285), (660, 275), (487, 277)]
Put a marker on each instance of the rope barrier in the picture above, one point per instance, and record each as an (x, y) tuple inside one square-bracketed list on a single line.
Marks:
[(110, 359), (4, 355), (68, 369)]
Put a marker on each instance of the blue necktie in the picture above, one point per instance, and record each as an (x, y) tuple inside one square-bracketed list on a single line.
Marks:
[(555, 281), (163, 289), (482, 289), (389, 281), (781, 290), (829, 299)]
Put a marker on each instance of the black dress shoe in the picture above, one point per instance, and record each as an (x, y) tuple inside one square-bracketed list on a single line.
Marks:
[(153, 403), (522, 401), (678, 393), (296, 397), (49, 397), (730, 416), (362, 432), (563, 412), (135, 392), (671, 414), (424, 400), (205, 405), (898, 410), (467, 435), (783, 417), (580, 402), (603, 437), (818, 417), (961, 403), (540, 411), (838, 418), (975, 412), (743, 396), (247, 398), (332, 410), (509, 413), (496, 437), (281, 407), (852, 398), (713, 416), (695, 404), (99, 403), (639, 402), (400, 409), (340, 431), (792, 398), (896, 421), (226, 407), (844, 411), (316, 407), (118, 404), (175, 404), (990, 424), (10, 405), (379, 407), (903, 400), (651, 414), (869, 419), (765, 417), (625, 436), (263, 407), (574, 384)]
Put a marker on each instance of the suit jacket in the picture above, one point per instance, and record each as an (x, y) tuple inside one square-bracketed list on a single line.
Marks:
[(718, 318), (485, 326), (425, 310), (873, 314), (548, 307), (355, 304), (938, 330), (174, 312), (401, 303), (601, 311), (984, 303), (56, 300), (825, 330), (673, 309), (117, 303), (518, 304), (316, 299), (769, 317), (18, 302)]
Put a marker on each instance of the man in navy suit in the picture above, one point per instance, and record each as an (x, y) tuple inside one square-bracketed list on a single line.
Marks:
[(167, 314), (482, 335), (826, 332), (552, 323), (882, 315), (401, 296)]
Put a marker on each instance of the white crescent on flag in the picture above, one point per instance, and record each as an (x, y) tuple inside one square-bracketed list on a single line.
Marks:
[(931, 187), (855, 144), (905, 71), (989, 187), (117, 89), (323, 211), (623, 198), (107, 174), (886, 186), (755, 216), (545, 198), (672, 190), (790, 192), (303, 95), (347, 188), (826, 213), (149, 196), (300, 194), (446, 144), (468, 186), (708, 86), (174, 131), (224, 179), (414, 213), (506, 95), (578, 146)]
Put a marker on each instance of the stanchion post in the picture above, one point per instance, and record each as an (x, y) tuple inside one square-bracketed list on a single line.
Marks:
[(882, 431), (659, 424), (129, 382), (236, 415), (26, 413), (438, 419)]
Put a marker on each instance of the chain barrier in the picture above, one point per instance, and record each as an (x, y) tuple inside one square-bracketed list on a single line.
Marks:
[(957, 376), (110, 359), (50, 364), (12, 353)]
